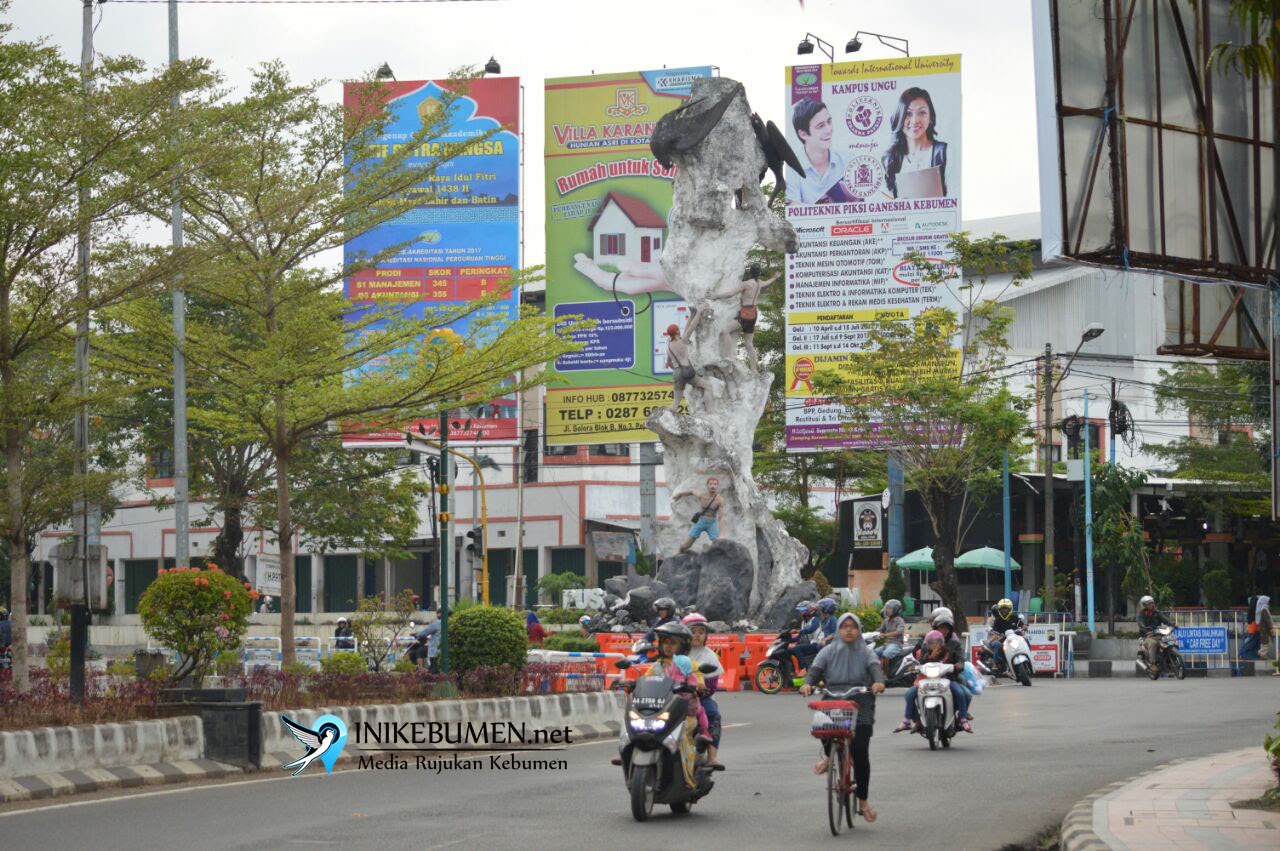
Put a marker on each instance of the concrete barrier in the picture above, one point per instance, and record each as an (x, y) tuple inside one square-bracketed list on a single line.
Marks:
[(53, 749), (588, 714)]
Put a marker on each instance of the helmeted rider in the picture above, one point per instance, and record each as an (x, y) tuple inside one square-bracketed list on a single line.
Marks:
[(809, 633), (342, 635), (584, 624), (1001, 619), (700, 655), (826, 620), (674, 641), (665, 610), (1148, 621), (944, 623), (893, 629)]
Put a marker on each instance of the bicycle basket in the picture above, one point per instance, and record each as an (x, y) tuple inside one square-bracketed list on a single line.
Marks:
[(833, 718)]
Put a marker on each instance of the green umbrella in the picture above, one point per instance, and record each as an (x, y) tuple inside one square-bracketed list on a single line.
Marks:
[(988, 557), (921, 559)]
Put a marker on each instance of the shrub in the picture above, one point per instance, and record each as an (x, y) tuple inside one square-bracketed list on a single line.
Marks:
[(490, 681), (403, 666), (555, 584), (869, 616), (376, 627), (1217, 588), (344, 662), (299, 668), (228, 662), (559, 615), (487, 635), (121, 669), (59, 658), (570, 641), (824, 584), (198, 613), (462, 605), (895, 584)]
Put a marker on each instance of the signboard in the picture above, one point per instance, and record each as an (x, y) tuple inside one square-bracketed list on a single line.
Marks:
[(608, 202), (462, 240), (614, 546), (1202, 640), (307, 651), (260, 652), (867, 534), (1042, 640), (881, 147), (268, 576)]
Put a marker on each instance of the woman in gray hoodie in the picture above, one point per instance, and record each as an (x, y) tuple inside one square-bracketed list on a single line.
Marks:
[(843, 664)]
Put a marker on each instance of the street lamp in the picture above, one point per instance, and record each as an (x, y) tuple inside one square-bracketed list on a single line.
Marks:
[(1093, 332), (492, 66), (854, 44), (384, 73), (805, 47)]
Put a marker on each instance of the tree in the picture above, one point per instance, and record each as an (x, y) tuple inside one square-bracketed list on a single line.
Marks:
[(935, 388), (75, 170), (895, 584), (1117, 533), (376, 627), (291, 179), (808, 525)]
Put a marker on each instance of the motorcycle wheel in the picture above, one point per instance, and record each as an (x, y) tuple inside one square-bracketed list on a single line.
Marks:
[(1175, 664), (680, 808), (835, 797), (932, 728), (769, 678), (1024, 676), (642, 783)]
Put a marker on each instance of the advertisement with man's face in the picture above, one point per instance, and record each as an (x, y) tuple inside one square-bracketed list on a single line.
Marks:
[(880, 145)]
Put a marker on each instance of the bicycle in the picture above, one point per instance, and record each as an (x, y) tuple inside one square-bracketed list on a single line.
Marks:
[(834, 720)]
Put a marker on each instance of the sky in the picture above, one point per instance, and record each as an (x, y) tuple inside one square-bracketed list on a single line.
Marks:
[(750, 40)]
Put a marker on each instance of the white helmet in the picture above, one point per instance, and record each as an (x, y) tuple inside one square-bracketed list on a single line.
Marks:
[(941, 611), (1147, 600)]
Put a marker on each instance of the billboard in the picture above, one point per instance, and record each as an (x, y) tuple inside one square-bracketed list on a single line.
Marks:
[(462, 240), (867, 534), (1151, 157), (608, 201), (881, 147)]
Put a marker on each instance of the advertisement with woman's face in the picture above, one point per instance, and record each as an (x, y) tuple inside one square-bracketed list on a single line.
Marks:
[(862, 136)]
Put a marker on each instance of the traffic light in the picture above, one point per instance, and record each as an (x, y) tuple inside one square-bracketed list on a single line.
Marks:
[(475, 544)]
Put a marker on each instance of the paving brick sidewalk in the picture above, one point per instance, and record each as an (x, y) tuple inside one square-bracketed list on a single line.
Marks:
[(1186, 804)]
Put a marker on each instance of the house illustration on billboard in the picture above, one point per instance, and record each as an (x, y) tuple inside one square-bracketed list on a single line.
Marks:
[(626, 231)]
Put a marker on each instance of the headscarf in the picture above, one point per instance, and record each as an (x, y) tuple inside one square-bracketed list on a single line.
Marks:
[(1264, 603), (858, 643), (531, 619)]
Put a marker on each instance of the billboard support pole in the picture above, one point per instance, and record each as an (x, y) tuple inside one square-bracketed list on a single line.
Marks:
[(445, 542), (648, 495), (1275, 280), (1048, 481), (895, 537)]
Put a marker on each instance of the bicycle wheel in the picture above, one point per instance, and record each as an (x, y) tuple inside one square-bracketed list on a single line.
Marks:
[(835, 794), (850, 795)]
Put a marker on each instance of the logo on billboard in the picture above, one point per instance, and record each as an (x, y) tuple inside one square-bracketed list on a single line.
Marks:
[(864, 115), (801, 372), (626, 104), (862, 177)]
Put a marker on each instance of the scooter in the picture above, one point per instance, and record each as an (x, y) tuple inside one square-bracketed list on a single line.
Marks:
[(934, 705), (656, 747), (901, 673), (782, 666), (1169, 656), (1017, 651)]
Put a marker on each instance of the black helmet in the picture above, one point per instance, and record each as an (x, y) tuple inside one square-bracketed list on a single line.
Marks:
[(678, 631), (664, 603)]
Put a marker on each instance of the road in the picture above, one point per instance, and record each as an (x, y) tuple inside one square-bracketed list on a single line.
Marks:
[(1036, 751)]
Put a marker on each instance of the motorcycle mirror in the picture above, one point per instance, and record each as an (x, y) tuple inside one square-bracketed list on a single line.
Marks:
[(707, 668), (622, 664)]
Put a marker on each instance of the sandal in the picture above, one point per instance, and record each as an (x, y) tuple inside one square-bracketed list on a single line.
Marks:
[(869, 813), (965, 725), (904, 726)]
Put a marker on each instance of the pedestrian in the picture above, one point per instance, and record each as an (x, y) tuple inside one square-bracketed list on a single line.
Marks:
[(534, 628), (428, 636)]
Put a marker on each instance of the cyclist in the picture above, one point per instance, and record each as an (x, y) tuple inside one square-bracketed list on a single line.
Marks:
[(843, 664), (674, 642), (1002, 618), (700, 655)]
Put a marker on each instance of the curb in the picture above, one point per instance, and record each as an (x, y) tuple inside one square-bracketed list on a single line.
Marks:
[(1077, 832), (34, 787)]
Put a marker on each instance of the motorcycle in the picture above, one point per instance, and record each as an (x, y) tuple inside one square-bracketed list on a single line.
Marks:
[(781, 667), (934, 705), (1018, 654), (1169, 656), (6, 658), (656, 747), (901, 671)]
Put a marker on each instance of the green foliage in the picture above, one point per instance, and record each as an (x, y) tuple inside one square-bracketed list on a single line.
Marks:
[(344, 662), (895, 584), (570, 641), (122, 669), (1217, 587), (463, 604), (810, 526), (557, 614), (870, 617), (486, 635), (227, 663), (821, 581), (198, 613), (59, 658), (403, 665), (375, 627), (298, 669), (555, 584), (1180, 576), (644, 564)]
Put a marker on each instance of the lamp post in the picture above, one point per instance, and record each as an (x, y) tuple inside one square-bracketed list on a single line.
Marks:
[(1088, 514), (1091, 333), (855, 44), (805, 47)]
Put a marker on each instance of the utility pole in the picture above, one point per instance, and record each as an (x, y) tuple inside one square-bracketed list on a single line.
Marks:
[(181, 516), (648, 496), (1088, 516), (1111, 422), (1048, 480), (442, 547), (80, 610)]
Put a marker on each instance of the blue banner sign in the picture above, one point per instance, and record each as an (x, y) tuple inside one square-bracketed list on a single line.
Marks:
[(1202, 640)]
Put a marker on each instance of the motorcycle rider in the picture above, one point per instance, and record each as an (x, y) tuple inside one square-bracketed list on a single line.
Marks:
[(826, 620), (674, 642), (809, 634), (845, 663), (343, 638), (584, 626), (893, 629), (1148, 621), (665, 608), (700, 655), (1001, 619), (942, 622)]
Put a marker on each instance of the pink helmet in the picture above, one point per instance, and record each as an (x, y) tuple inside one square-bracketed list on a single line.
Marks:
[(694, 619), (934, 635)]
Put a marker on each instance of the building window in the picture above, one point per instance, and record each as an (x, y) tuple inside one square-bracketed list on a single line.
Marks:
[(613, 243), (555, 450), (160, 464), (1235, 434), (611, 450)]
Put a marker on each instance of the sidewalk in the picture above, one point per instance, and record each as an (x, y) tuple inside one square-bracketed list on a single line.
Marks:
[(1185, 804)]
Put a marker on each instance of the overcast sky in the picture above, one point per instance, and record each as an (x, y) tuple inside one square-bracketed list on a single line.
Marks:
[(750, 40)]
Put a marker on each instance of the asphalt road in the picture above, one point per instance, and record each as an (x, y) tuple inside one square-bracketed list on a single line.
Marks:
[(1036, 752)]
